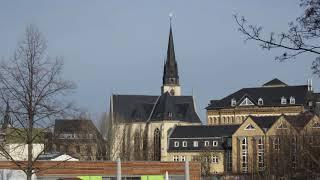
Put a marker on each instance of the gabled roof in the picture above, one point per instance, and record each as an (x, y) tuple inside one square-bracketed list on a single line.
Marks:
[(299, 121), (138, 108), (203, 131), (264, 122), (271, 96), (274, 82), (74, 125)]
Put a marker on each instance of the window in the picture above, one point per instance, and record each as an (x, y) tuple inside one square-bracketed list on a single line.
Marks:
[(215, 143), (214, 159), (249, 127), (229, 161), (170, 114), (244, 154), (184, 143), (310, 103), (316, 125), (233, 102), (260, 101), (183, 158), (292, 100), (283, 100), (195, 143), (246, 102), (276, 143), (175, 158), (206, 143), (176, 144), (260, 154)]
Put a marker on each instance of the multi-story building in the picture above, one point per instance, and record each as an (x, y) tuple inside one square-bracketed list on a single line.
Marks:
[(277, 145), (272, 99), (79, 138), (211, 145)]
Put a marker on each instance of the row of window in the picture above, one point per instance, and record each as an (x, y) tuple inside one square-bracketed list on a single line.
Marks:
[(226, 120), (195, 143), (179, 158), (211, 159), (247, 102)]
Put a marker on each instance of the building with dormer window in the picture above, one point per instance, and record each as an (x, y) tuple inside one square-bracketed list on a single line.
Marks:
[(273, 98), (210, 144)]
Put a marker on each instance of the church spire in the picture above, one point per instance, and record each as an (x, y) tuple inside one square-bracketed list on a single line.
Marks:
[(170, 78), (170, 74)]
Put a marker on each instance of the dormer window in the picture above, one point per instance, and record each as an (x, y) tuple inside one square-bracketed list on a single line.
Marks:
[(170, 114), (260, 101), (283, 100), (176, 144), (292, 100), (184, 143), (246, 102), (233, 102)]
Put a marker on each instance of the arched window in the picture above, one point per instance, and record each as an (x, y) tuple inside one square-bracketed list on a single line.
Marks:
[(172, 92), (137, 145), (157, 145)]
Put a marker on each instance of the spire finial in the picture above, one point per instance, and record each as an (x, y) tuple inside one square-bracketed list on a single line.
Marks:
[(170, 18)]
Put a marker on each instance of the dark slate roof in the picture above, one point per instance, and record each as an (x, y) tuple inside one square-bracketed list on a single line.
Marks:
[(264, 122), (271, 96), (132, 107), (74, 126), (299, 121), (275, 82), (203, 131), (138, 108)]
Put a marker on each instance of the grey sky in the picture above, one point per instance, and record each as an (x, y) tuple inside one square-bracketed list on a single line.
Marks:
[(120, 46)]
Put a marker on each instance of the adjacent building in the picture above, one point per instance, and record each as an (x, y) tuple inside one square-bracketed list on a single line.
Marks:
[(78, 138), (277, 145), (271, 99), (211, 145)]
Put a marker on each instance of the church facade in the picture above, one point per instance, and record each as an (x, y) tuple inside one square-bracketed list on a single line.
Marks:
[(141, 124)]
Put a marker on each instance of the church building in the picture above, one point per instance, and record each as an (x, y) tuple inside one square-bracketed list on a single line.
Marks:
[(141, 124)]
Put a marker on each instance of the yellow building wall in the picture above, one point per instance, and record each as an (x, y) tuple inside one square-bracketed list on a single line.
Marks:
[(215, 168)]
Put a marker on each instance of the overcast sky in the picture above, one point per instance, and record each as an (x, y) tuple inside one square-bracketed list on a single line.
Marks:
[(120, 46)]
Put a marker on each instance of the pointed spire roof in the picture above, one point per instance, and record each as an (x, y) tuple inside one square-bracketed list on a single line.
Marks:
[(170, 72)]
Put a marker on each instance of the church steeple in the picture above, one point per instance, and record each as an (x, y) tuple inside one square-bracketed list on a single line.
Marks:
[(170, 78)]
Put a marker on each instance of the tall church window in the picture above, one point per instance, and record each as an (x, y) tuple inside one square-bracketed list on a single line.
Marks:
[(137, 143), (157, 145)]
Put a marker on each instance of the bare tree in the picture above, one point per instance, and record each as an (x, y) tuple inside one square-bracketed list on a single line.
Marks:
[(32, 84), (302, 37)]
